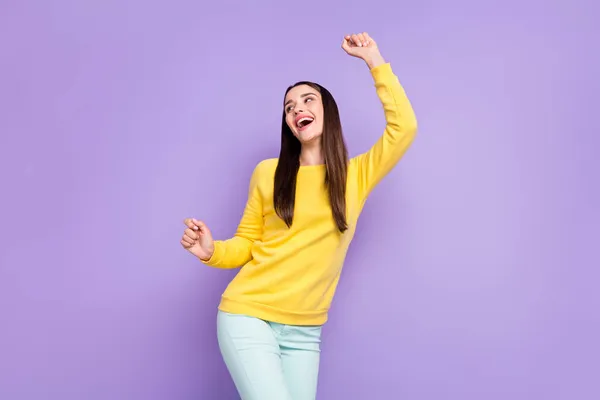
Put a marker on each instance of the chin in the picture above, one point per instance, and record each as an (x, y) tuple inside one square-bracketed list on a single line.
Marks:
[(308, 137)]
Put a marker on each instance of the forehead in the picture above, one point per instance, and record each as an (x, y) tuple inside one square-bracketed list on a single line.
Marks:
[(299, 91)]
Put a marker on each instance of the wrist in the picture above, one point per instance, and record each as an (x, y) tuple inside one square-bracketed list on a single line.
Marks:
[(374, 60), (208, 256)]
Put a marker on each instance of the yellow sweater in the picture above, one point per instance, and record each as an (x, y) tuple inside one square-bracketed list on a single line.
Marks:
[(289, 275)]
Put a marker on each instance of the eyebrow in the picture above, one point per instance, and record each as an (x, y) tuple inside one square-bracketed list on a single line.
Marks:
[(303, 95)]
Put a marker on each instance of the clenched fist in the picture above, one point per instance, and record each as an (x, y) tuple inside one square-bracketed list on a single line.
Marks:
[(362, 46), (197, 239)]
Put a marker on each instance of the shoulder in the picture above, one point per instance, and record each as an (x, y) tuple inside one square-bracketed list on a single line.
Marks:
[(269, 163), (355, 161), (266, 167), (264, 172)]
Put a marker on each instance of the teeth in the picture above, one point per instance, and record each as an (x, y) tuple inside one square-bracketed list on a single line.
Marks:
[(302, 120)]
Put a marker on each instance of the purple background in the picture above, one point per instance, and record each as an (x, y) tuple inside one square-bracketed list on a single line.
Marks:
[(474, 271)]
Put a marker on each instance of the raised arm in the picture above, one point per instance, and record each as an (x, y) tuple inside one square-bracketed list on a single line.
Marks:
[(401, 122)]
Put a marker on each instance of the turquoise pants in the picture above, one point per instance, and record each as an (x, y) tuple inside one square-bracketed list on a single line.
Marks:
[(267, 360)]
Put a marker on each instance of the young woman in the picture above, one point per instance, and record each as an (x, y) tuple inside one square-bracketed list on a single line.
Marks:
[(297, 225)]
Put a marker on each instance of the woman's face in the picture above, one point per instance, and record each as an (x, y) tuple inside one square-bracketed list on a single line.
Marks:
[(304, 113)]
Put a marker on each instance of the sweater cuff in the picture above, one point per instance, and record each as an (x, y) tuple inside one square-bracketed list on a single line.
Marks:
[(382, 72), (217, 255)]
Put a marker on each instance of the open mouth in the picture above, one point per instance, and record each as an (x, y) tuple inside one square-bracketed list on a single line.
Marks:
[(303, 122)]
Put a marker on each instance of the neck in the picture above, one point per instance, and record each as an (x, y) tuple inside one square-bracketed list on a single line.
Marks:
[(311, 154)]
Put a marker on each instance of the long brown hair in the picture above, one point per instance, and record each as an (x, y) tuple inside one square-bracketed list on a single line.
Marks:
[(336, 162)]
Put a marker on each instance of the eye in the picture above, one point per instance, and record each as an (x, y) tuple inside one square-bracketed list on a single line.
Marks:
[(308, 98)]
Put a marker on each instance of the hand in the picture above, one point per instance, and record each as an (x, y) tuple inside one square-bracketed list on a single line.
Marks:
[(197, 239), (362, 46)]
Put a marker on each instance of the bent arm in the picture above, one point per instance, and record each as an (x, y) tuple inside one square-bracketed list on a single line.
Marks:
[(237, 251), (399, 133)]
